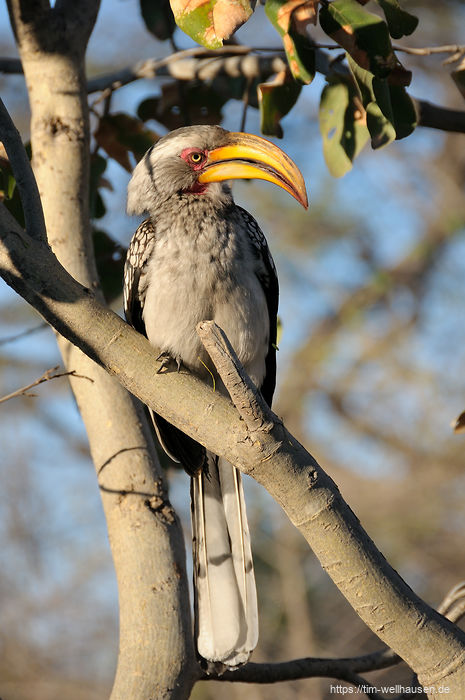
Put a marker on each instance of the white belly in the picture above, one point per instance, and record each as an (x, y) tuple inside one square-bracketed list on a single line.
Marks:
[(196, 286)]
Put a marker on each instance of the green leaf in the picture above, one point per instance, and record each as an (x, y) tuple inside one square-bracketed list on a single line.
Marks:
[(10, 188), (403, 109), (365, 37), (9, 193), (158, 18), (390, 110), (379, 114), (290, 18), (342, 125), (209, 22), (275, 100), (400, 22)]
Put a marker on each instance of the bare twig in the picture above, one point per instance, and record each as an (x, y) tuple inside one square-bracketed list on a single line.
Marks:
[(13, 65), (457, 611), (46, 377), (298, 669), (430, 50), (455, 594), (18, 336), (193, 63)]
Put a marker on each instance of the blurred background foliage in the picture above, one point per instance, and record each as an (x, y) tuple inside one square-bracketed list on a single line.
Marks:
[(369, 376)]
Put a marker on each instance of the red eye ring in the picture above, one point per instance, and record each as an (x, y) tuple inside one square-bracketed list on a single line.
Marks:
[(194, 157)]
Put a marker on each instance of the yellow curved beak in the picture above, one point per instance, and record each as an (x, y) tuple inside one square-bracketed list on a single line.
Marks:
[(245, 157)]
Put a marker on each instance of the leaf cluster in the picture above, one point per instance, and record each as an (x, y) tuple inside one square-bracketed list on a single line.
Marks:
[(366, 102)]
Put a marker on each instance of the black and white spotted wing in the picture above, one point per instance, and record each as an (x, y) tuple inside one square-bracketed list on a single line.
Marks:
[(177, 445), (135, 274), (269, 281)]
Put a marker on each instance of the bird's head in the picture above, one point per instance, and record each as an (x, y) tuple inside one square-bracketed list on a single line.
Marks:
[(192, 159)]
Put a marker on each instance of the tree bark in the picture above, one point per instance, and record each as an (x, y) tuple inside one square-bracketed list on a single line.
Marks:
[(156, 657)]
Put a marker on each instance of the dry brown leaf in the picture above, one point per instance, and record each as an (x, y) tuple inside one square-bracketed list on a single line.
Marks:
[(300, 13)]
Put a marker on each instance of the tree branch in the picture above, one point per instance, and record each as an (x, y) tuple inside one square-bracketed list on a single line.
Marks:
[(298, 669), (11, 65), (453, 606), (436, 117), (236, 60), (431, 645), (430, 50)]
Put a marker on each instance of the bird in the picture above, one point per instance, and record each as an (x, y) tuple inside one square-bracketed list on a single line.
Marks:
[(199, 256)]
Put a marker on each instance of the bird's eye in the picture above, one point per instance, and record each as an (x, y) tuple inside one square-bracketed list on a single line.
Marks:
[(196, 157)]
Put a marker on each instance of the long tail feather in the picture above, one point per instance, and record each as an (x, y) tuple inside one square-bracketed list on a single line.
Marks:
[(224, 582)]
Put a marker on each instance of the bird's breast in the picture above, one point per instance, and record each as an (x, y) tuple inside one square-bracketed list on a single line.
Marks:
[(207, 275)]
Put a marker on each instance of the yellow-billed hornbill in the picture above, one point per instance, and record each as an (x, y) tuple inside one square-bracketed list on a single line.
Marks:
[(201, 257)]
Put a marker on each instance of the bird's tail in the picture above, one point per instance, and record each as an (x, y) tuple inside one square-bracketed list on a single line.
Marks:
[(225, 596)]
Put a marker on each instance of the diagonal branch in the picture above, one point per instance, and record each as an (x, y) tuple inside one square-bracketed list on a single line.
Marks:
[(253, 439), (431, 645)]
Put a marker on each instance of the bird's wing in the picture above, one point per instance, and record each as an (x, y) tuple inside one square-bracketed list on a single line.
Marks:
[(177, 445), (266, 273), (135, 274)]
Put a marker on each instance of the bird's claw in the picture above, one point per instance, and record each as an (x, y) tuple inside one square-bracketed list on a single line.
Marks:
[(166, 358)]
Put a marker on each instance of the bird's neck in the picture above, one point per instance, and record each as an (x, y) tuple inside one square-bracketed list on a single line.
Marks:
[(214, 201)]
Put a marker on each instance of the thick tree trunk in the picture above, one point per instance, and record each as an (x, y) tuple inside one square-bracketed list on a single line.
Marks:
[(156, 653)]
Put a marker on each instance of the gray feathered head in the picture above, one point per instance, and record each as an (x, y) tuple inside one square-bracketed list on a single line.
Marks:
[(191, 159)]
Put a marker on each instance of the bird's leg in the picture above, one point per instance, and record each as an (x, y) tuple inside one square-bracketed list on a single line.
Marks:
[(166, 358)]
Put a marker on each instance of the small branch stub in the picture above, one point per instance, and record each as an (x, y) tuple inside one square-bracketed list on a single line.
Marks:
[(247, 399)]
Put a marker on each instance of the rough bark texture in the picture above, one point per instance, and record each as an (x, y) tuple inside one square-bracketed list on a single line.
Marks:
[(156, 652), (253, 439)]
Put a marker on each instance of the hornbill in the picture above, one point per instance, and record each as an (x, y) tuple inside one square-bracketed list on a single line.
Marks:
[(201, 257)]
